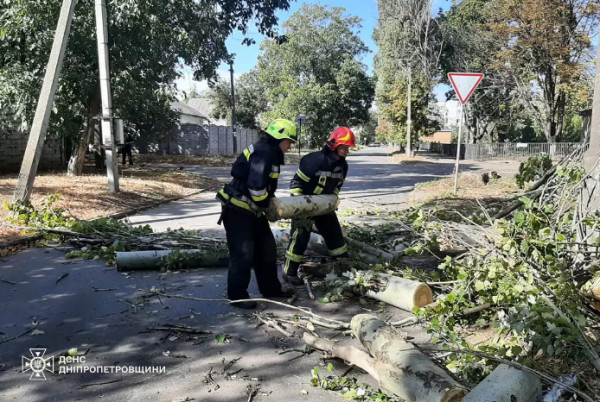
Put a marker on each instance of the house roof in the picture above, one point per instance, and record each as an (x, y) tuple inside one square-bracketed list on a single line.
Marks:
[(204, 106), (185, 109)]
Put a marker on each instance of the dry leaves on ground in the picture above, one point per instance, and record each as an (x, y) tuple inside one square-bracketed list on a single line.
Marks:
[(87, 196), (470, 186), (215, 161)]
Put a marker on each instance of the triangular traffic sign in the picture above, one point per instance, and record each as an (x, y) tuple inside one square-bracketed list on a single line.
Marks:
[(464, 84)]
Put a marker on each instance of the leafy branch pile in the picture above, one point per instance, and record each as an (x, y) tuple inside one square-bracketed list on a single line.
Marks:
[(350, 389), (532, 272), (103, 238), (534, 168), (522, 288)]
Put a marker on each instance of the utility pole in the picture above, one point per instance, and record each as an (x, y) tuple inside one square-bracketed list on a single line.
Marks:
[(107, 119), (37, 134), (233, 120)]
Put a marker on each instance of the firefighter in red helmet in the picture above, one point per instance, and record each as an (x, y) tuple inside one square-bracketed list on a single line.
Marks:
[(321, 172)]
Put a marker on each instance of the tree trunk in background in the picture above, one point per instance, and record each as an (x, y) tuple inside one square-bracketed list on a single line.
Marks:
[(77, 159), (589, 198), (99, 157)]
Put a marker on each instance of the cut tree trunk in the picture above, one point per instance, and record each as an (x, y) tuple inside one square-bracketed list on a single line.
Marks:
[(350, 354), (402, 368), (381, 255), (506, 384), (153, 259), (402, 293), (300, 206)]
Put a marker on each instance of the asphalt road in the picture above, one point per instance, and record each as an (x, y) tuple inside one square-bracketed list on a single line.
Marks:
[(373, 181), (55, 304)]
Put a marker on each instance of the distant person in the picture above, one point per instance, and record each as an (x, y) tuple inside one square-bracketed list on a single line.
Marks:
[(244, 200), (126, 149), (321, 172)]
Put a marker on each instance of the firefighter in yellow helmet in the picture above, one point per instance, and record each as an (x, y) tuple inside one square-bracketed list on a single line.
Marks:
[(249, 238)]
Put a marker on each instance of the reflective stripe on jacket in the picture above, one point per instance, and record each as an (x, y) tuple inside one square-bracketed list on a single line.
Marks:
[(255, 174), (319, 173)]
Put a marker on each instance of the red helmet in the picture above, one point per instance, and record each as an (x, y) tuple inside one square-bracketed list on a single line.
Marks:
[(341, 136)]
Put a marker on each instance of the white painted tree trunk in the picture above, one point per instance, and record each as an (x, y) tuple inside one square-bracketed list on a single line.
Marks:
[(506, 384), (403, 369), (151, 260)]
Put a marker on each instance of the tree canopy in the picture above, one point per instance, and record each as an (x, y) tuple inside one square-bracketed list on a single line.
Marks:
[(317, 72), (545, 46), (148, 40), (409, 42), (250, 100)]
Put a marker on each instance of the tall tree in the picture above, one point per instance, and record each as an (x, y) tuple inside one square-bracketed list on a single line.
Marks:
[(469, 45), (316, 72), (409, 44), (250, 99), (546, 45), (148, 40)]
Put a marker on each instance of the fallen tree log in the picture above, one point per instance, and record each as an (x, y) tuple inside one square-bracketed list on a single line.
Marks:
[(402, 293), (350, 354), (155, 259), (403, 369), (381, 255), (299, 207), (506, 384)]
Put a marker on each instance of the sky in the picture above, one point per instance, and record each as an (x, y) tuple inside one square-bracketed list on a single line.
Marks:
[(246, 56)]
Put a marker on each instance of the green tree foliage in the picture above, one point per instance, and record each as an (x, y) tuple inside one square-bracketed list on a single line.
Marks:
[(394, 112), (250, 100), (409, 43), (366, 133), (316, 72), (546, 47), (148, 40)]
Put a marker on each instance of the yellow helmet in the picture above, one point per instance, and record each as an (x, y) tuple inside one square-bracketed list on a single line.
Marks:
[(281, 129)]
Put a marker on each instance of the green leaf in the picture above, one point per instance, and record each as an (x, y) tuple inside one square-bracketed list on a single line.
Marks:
[(221, 338), (527, 202)]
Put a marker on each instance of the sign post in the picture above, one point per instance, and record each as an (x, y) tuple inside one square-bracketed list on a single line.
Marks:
[(464, 84)]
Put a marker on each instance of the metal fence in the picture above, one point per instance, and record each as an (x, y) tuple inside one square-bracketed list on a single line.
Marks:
[(220, 139), (192, 139), (519, 150)]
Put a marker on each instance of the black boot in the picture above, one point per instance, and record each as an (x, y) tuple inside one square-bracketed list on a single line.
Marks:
[(293, 280), (242, 303), (280, 293)]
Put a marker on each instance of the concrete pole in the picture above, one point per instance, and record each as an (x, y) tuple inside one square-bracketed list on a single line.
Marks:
[(233, 119), (107, 129), (37, 135)]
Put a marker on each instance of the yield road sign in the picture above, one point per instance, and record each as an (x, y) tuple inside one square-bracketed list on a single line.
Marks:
[(464, 84)]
